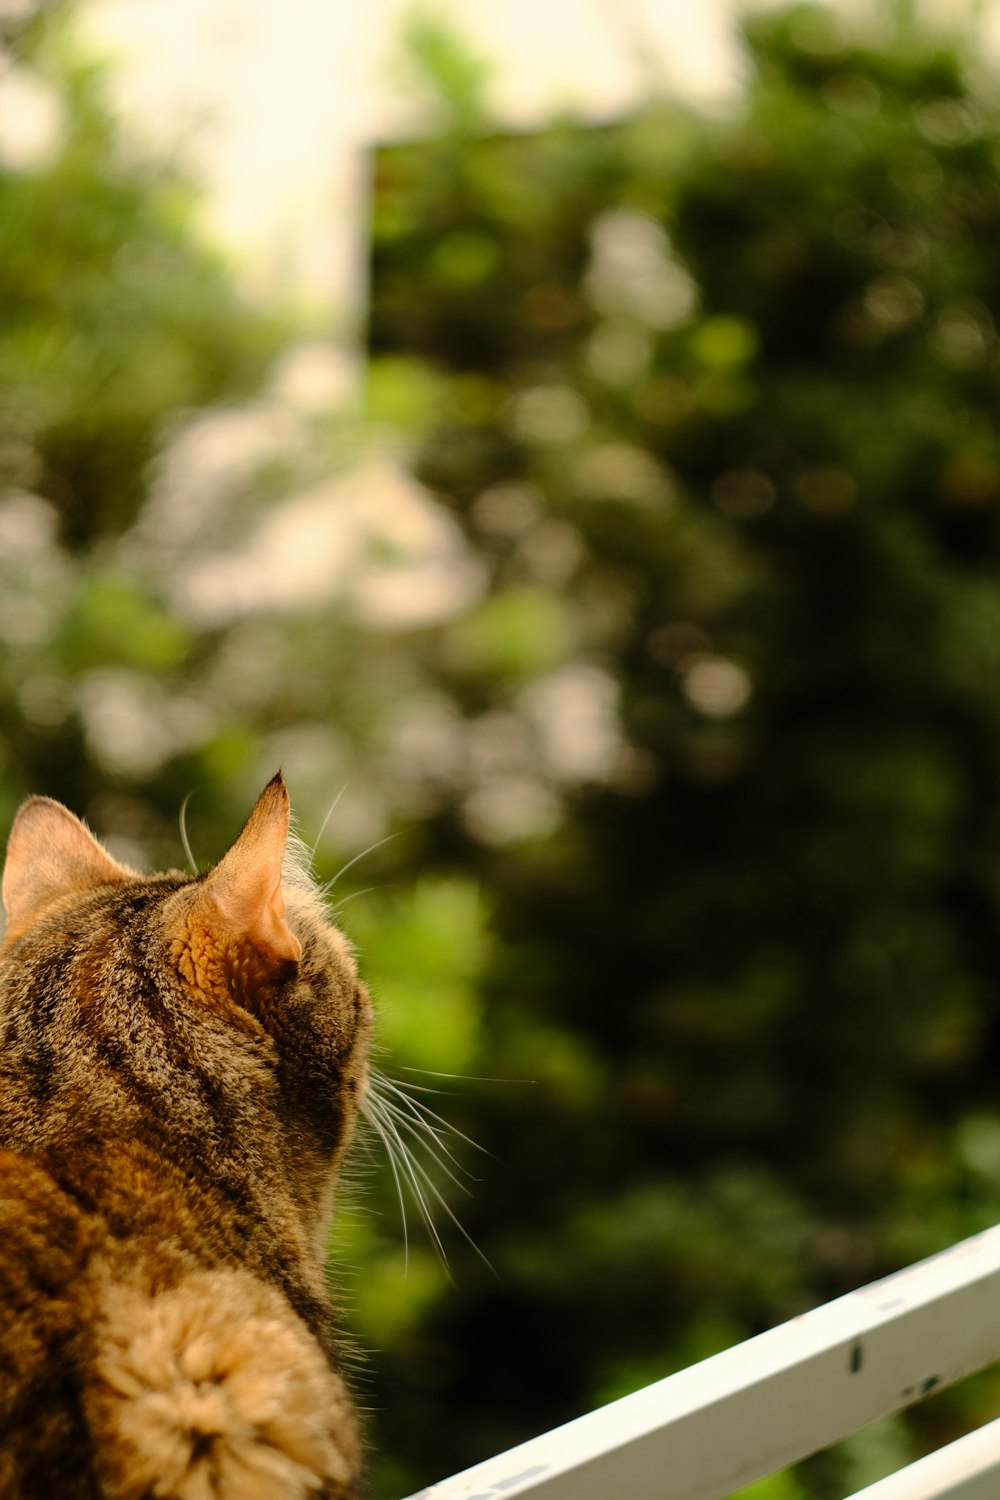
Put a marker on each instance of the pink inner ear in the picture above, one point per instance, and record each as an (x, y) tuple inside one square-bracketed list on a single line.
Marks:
[(244, 912), (50, 854), (244, 890), (277, 935)]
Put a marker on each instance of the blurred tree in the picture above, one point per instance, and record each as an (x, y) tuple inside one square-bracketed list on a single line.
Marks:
[(114, 316), (715, 403), (676, 669), (189, 593), (116, 321)]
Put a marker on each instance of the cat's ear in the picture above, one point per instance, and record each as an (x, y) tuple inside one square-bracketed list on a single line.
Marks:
[(51, 854), (242, 895)]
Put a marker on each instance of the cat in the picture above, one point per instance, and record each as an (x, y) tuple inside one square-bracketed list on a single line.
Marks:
[(181, 1063)]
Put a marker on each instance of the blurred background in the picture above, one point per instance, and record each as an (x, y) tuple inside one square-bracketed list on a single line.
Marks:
[(572, 454)]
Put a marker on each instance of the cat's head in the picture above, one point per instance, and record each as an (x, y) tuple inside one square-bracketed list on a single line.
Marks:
[(237, 977)]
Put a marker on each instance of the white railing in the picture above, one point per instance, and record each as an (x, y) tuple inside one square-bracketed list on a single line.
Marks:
[(754, 1409)]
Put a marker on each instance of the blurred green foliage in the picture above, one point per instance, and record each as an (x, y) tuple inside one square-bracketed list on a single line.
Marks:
[(112, 317), (653, 607), (428, 951), (724, 393)]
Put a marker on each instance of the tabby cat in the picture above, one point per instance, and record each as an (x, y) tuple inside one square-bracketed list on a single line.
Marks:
[(181, 1061)]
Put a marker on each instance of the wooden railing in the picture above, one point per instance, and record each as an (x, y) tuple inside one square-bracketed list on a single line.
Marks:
[(752, 1410)]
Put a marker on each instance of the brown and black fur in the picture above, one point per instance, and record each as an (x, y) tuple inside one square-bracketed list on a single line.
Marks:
[(180, 1066)]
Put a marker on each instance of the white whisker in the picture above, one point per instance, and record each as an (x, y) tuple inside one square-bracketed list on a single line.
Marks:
[(398, 1115), (185, 842), (462, 1078), (432, 1114), (322, 827), (370, 850), (413, 1127), (373, 1119), (409, 1110), (413, 1172), (432, 1186), (355, 894)]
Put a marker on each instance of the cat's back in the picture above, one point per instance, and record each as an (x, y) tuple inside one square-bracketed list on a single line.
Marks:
[(46, 1242), (123, 1379), (179, 1071)]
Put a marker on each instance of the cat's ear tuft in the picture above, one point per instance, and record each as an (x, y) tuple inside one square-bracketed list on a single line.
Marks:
[(242, 895), (51, 854)]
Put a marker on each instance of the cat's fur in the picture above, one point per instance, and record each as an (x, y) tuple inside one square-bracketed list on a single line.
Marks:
[(181, 1061)]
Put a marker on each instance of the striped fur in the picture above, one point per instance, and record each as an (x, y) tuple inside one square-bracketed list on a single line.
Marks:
[(180, 1065)]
